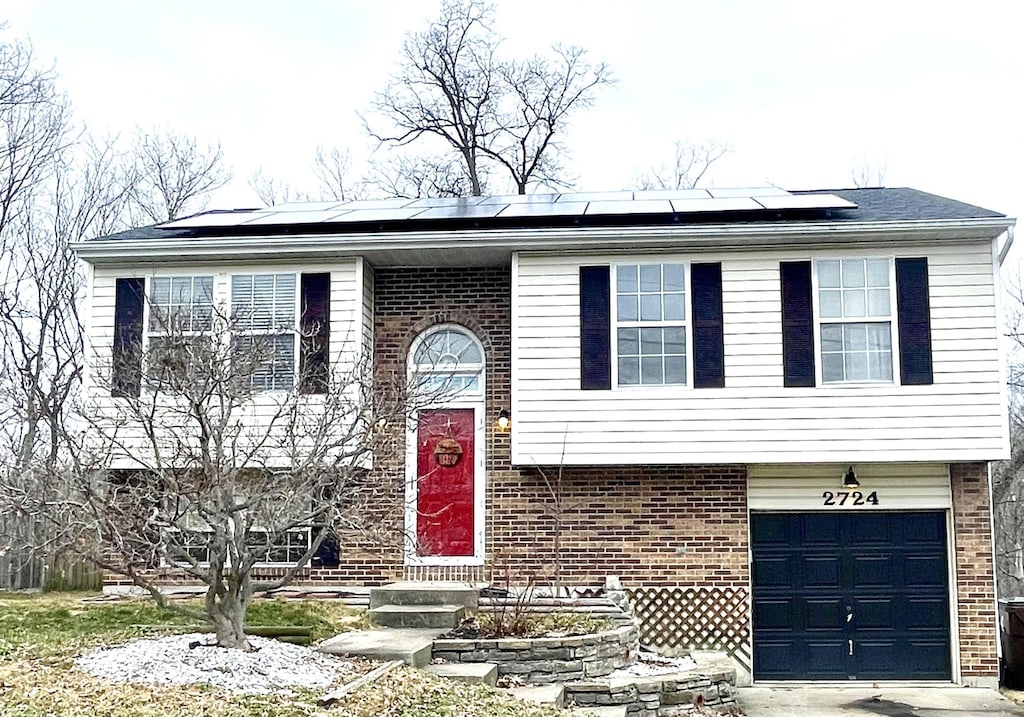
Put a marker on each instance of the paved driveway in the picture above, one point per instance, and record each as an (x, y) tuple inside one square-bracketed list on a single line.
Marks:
[(878, 702)]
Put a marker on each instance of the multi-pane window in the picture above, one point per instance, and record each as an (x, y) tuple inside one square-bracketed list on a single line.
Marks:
[(650, 324), (855, 315), (180, 317), (448, 361), (263, 311)]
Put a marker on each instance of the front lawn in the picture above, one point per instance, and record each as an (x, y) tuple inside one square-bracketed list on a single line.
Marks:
[(41, 634)]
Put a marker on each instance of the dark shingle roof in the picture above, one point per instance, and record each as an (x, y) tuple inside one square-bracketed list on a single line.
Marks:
[(880, 204)]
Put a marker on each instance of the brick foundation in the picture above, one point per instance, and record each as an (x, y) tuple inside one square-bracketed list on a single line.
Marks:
[(975, 584)]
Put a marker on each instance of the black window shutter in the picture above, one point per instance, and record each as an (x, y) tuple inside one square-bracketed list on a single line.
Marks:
[(126, 372), (315, 325), (595, 328), (708, 332), (797, 324), (914, 322)]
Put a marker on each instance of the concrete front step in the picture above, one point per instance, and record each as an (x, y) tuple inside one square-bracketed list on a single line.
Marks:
[(552, 695), (411, 646), (418, 616), (474, 673), (410, 593)]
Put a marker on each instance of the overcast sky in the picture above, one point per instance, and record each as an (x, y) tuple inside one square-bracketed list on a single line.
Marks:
[(803, 92)]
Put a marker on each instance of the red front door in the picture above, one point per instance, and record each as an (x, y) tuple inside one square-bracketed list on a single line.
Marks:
[(444, 482)]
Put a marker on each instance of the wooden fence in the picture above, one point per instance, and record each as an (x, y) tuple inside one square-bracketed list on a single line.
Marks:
[(25, 568)]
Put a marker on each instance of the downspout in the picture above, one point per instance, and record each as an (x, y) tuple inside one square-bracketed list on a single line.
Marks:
[(1006, 245)]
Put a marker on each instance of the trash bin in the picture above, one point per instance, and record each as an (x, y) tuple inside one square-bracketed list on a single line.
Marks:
[(1011, 635)]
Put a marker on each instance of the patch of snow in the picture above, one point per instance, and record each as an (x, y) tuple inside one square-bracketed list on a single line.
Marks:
[(272, 667), (649, 664)]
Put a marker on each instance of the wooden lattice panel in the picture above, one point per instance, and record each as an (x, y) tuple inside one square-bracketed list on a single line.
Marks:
[(694, 618)]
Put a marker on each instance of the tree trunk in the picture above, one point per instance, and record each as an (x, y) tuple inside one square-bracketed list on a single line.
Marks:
[(226, 603)]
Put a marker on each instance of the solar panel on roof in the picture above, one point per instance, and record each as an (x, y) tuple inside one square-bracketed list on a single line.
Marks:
[(315, 217), (673, 194), (445, 201), (461, 212), (377, 203), (596, 197), (805, 201), (520, 199), (213, 219), (748, 192), (725, 204), (556, 209), (379, 215), (637, 206), (305, 206)]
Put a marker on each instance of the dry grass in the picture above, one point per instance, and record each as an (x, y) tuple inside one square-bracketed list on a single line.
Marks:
[(41, 635)]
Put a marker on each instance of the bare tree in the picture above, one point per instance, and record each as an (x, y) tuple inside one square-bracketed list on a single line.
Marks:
[(272, 191), (332, 168), (452, 88), (415, 176), (174, 174), (868, 173), (203, 473), (541, 95), (690, 165)]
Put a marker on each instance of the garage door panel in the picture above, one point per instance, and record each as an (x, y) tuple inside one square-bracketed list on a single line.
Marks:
[(874, 613), (925, 570), (821, 532), (824, 615), (822, 571), (775, 571), (771, 531), (871, 584), (921, 528), (872, 570), (829, 657), (870, 529), (775, 614), (927, 613)]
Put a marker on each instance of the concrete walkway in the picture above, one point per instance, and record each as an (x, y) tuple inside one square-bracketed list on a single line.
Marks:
[(839, 701)]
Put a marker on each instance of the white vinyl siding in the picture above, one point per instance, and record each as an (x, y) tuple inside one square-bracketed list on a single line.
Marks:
[(347, 316), (755, 419), (912, 486)]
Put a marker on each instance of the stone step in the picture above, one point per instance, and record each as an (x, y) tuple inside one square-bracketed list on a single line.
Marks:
[(413, 647), (552, 695), (411, 593), (418, 616), (603, 711), (474, 673)]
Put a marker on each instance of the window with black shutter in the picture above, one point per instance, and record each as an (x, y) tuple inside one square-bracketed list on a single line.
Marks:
[(126, 371)]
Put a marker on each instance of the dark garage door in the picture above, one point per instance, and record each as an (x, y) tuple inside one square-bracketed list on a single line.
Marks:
[(850, 596)]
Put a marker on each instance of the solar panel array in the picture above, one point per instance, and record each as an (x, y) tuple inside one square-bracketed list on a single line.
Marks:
[(516, 206)]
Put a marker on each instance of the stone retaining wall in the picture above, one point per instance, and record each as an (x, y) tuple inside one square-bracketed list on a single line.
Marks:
[(658, 696), (544, 660)]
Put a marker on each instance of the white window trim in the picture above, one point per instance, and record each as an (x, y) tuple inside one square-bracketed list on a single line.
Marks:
[(614, 324), (147, 311), (476, 401), (295, 329), (893, 320), (258, 564)]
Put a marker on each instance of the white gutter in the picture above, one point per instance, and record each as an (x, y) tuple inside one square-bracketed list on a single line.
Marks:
[(717, 236), (1006, 245)]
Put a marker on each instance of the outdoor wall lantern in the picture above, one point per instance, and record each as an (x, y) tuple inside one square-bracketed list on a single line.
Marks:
[(850, 480), (504, 421)]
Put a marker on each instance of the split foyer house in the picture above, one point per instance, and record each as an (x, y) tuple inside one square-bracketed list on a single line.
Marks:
[(778, 406)]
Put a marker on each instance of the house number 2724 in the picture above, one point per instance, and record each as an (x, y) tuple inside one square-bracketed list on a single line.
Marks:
[(849, 497)]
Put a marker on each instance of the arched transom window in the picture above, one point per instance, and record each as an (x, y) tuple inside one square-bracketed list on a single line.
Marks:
[(448, 361)]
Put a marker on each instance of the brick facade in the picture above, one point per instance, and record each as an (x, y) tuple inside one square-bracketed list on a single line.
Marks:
[(649, 525), (975, 584)]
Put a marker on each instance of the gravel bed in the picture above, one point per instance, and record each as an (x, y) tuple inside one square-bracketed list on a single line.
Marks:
[(273, 667)]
